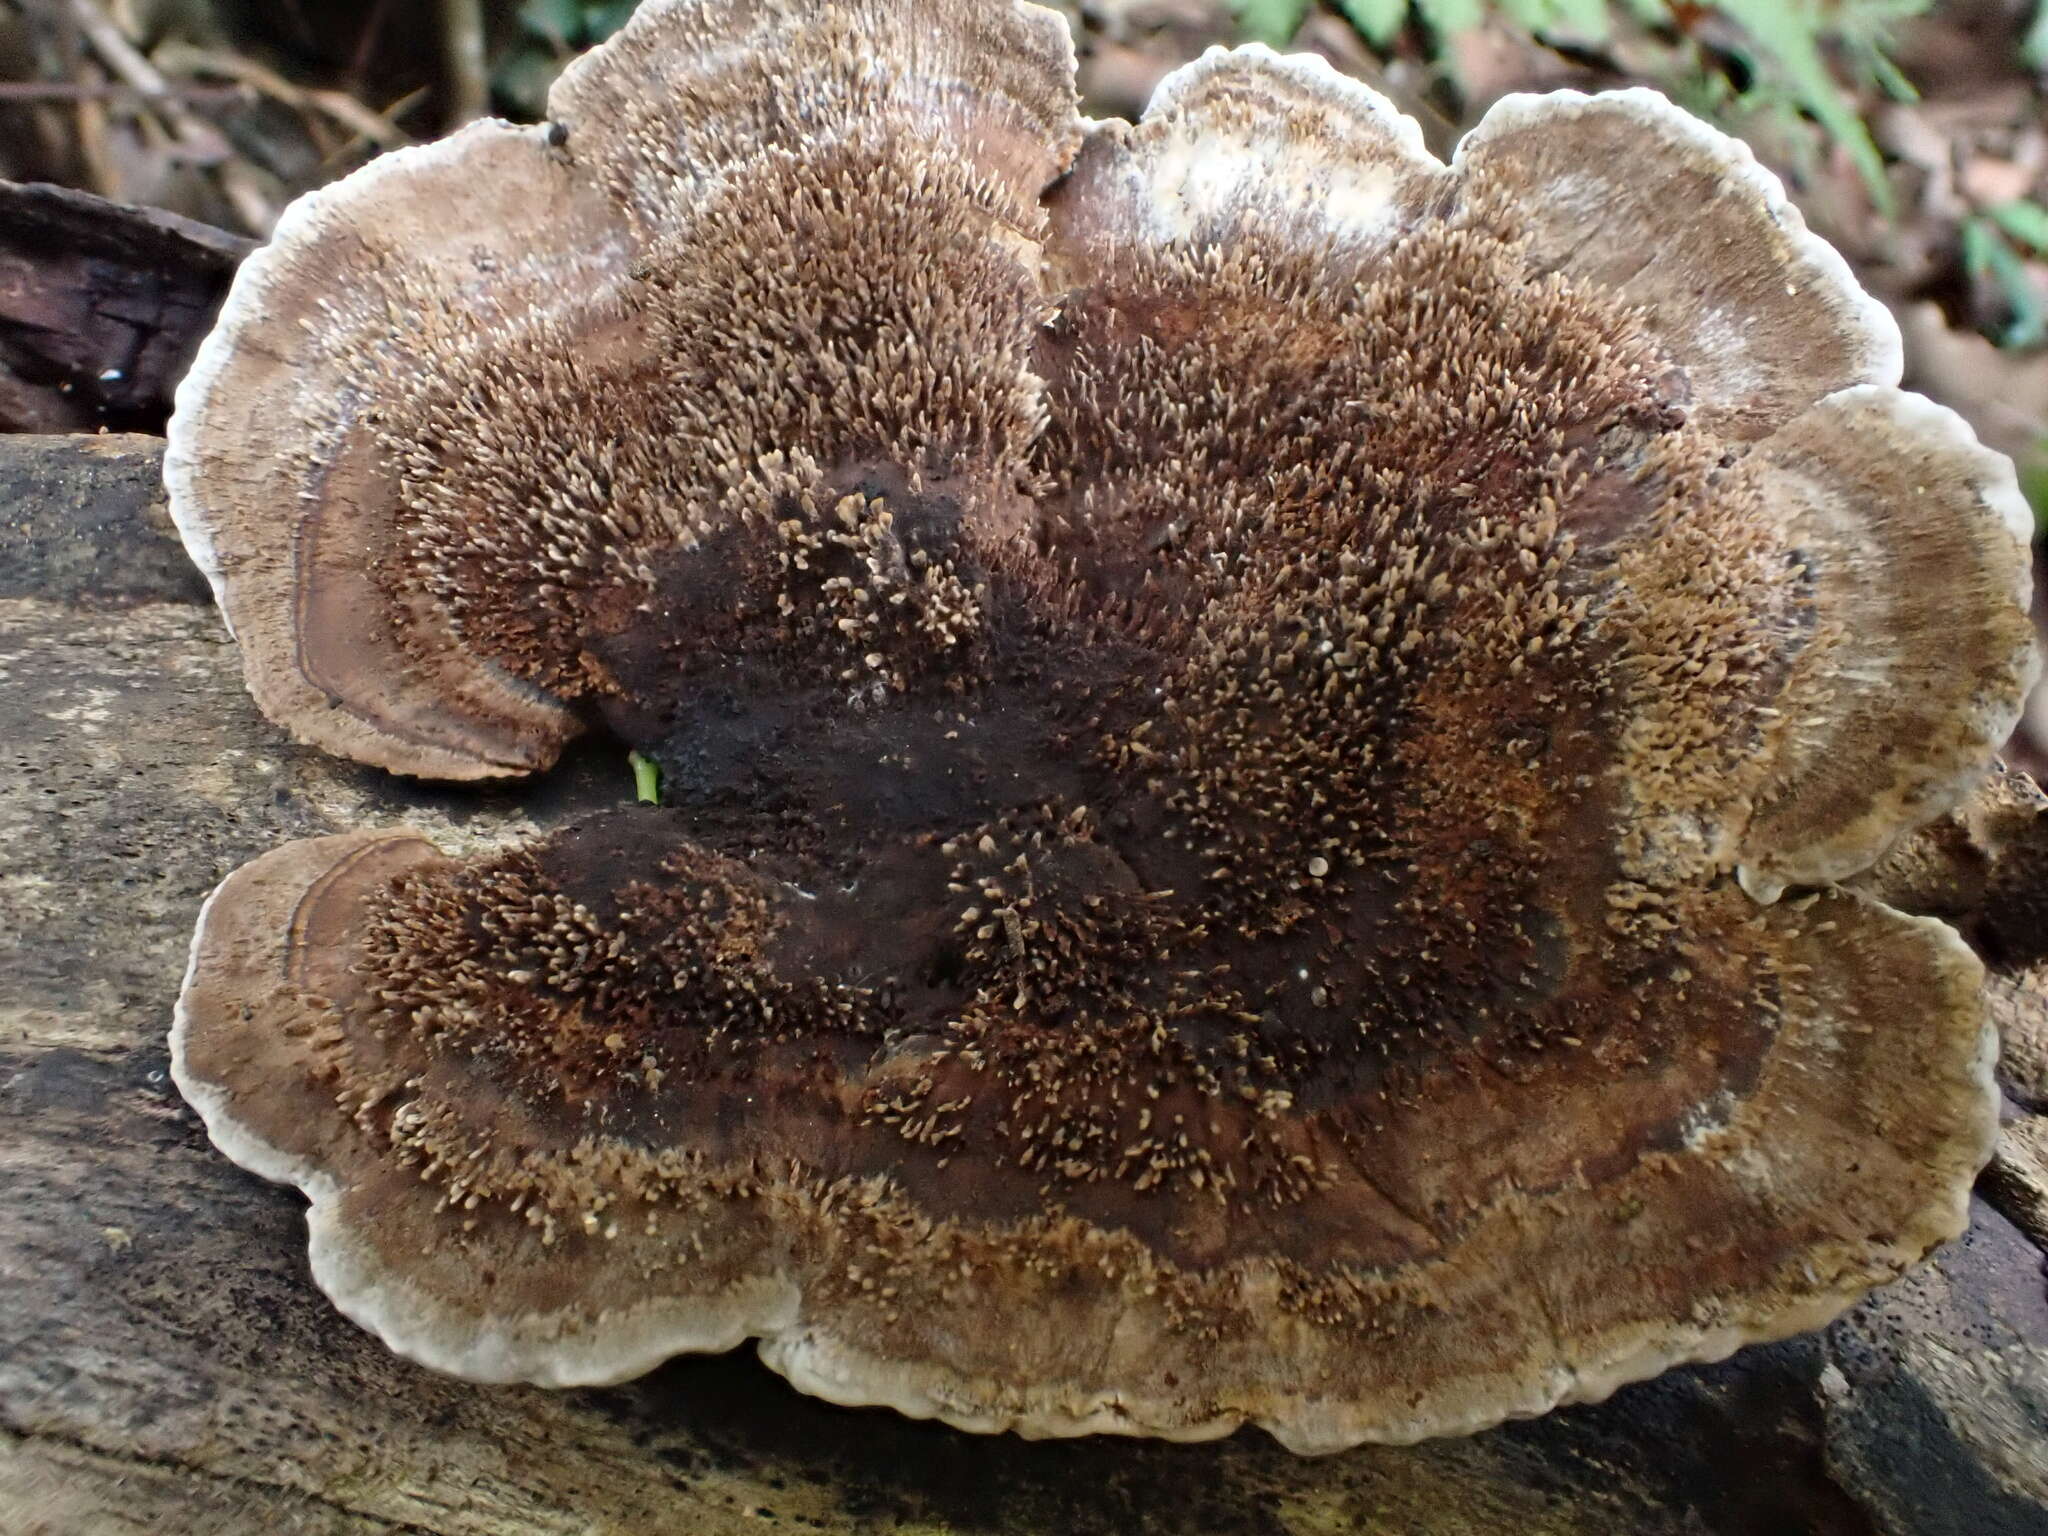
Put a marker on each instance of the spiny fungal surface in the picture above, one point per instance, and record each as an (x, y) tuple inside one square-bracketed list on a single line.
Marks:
[(1258, 730)]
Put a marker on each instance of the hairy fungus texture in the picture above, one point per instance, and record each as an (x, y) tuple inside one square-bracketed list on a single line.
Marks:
[(1258, 730)]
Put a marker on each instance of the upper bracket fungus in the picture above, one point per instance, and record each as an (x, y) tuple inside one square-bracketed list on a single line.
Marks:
[(1257, 736)]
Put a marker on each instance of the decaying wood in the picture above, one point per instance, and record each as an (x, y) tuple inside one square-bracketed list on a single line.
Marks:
[(166, 1364), (101, 308)]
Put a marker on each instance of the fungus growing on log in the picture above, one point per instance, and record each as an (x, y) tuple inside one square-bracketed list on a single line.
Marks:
[(1982, 868), (1256, 737)]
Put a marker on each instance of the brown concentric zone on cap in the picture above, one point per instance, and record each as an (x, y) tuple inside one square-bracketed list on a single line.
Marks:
[(1212, 712)]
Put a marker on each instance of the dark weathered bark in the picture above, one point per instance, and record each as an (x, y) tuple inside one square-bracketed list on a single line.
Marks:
[(101, 308), (166, 1364)]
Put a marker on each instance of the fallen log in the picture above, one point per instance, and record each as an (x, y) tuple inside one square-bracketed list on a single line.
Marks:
[(101, 308)]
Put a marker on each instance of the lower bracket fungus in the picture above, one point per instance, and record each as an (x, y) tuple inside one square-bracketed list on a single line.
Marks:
[(1256, 738)]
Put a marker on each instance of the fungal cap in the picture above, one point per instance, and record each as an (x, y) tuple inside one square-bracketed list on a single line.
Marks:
[(272, 468), (1631, 193), (1722, 1136), (1044, 1325), (1918, 542), (270, 937), (441, 260)]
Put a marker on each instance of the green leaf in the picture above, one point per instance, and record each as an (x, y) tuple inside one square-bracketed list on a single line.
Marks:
[(1271, 21), (2026, 222), (1447, 18), (2034, 486), (2034, 47), (1889, 77), (1532, 16), (522, 77), (1987, 255), (1581, 20), (602, 20), (1379, 22), (559, 21), (1787, 36)]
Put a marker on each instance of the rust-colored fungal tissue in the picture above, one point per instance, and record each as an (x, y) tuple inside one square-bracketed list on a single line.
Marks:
[(1263, 737)]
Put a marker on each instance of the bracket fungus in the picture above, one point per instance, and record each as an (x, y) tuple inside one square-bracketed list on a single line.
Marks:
[(1258, 737)]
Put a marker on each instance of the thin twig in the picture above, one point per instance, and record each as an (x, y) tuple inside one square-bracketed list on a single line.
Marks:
[(57, 55), (91, 133), (366, 44), (462, 36), (338, 105), (122, 56), (55, 141), (194, 135), (118, 91)]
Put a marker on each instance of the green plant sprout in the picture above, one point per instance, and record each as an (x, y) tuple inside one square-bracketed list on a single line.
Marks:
[(646, 779)]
